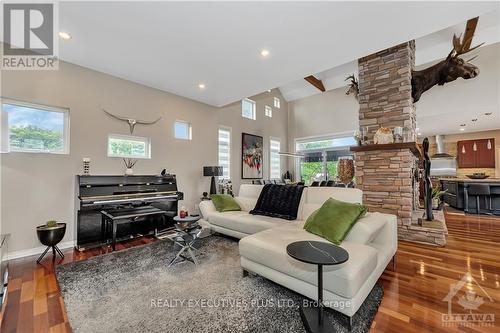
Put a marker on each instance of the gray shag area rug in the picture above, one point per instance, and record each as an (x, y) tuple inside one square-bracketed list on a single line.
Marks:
[(134, 291)]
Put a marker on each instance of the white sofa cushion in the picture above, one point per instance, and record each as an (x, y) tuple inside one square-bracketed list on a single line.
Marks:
[(250, 191), (244, 222), (246, 204), (366, 228), (268, 248), (314, 197)]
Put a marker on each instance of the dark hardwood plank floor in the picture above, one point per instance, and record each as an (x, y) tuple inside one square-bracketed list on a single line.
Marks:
[(413, 299)]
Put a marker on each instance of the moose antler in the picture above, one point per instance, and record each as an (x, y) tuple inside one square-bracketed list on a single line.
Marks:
[(462, 47)]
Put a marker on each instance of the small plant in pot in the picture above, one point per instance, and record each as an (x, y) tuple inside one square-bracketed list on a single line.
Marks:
[(129, 164), (50, 234), (436, 197)]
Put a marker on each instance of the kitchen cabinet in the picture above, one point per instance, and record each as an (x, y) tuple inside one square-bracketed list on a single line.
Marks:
[(476, 153)]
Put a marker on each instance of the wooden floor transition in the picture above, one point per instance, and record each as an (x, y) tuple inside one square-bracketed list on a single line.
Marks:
[(413, 299)]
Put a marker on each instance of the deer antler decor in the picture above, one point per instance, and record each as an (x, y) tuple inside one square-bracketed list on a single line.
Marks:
[(353, 87), (449, 69), (132, 122)]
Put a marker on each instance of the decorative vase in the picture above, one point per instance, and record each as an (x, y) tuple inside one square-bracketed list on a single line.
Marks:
[(129, 171), (345, 170), (383, 136)]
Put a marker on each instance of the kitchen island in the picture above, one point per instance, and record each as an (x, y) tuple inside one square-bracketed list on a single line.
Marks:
[(457, 194)]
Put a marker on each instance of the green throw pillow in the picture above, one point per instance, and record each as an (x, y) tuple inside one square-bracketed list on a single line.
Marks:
[(334, 219), (224, 202)]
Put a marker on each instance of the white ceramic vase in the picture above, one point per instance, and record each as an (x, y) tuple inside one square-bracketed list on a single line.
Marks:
[(129, 171)]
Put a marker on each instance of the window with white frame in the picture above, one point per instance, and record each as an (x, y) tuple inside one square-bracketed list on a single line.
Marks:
[(275, 159), (248, 109), (34, 128), (268, 111), (277, 102), (225, 151), (321, 156), (183, 130), (128, 146)]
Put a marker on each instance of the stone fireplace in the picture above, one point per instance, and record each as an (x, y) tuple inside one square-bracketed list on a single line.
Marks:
[(386, 173)]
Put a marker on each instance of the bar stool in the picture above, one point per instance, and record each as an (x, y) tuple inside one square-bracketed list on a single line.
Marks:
[(323, 183), (479, 190), (314, 184), (495, 196)]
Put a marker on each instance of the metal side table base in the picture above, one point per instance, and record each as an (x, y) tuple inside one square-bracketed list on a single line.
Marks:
[(55, 250)]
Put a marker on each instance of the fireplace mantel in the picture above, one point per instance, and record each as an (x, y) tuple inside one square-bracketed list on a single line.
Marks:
[(412, 146)]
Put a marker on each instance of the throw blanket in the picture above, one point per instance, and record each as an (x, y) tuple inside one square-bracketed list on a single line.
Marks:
[(280, 201)]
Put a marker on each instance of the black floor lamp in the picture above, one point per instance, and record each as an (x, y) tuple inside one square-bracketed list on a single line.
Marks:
[(212, 171)]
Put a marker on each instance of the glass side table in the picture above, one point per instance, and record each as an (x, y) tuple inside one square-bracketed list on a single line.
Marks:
[(187, 232)]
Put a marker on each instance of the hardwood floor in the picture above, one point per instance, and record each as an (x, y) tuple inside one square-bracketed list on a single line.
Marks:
[(413, 299)]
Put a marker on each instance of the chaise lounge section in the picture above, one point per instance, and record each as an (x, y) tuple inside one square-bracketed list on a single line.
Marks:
[(371, 244)]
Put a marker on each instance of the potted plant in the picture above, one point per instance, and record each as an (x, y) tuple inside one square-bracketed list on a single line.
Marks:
[(436, 197), (50, 234), (129, 164)]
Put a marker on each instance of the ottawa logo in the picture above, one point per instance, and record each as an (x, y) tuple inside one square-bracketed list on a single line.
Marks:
[(468, 294)]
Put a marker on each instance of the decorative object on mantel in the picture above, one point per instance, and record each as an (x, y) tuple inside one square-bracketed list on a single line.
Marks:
[(86, 166), (345, 170), (353, 87), (383, 136), (449, 69), (212, 171), (398, 134), (358, 137), (427, 182), (129, 164), (50, 234), (132, 122)]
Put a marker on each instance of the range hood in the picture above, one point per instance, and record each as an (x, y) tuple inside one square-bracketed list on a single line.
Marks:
[(441, 152), (442, 164)]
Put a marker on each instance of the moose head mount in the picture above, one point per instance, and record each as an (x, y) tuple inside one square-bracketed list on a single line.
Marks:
[(446, 70)]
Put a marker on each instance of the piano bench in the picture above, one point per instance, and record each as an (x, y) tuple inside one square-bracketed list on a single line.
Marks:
[(118, 216)]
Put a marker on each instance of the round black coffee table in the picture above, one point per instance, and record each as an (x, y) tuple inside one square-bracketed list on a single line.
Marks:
[(317, 253)]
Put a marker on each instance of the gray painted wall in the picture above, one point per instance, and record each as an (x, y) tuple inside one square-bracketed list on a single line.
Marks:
[(39, 187)]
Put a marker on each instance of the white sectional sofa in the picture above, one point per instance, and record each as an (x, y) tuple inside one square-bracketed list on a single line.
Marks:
[(371, 244)]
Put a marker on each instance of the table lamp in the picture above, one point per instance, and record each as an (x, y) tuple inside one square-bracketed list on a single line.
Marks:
[(212, 171)]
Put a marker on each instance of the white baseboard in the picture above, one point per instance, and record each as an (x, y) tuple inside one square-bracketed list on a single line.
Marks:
[(37, 250)]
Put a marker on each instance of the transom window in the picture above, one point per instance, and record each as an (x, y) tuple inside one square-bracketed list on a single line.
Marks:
[(268, 111), (321, 156), (225, 151), (34, 128), (248, 109), (127, 146), (275, 159), (183, 130), (277, 102)]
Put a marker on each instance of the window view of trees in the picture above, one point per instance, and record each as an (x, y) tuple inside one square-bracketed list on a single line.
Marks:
[(35, 129), (127, 147), (35, 138)]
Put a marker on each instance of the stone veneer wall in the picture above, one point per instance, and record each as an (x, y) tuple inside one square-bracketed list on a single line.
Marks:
[(385, 89), (386, 176)]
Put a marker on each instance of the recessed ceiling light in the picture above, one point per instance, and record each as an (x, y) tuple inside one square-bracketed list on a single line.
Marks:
[(64, 35), (462, 129), (269, 91), (264, 53), (419, 134), (201, 86)]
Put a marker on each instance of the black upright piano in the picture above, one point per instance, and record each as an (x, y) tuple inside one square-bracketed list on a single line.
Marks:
[(103, 193)]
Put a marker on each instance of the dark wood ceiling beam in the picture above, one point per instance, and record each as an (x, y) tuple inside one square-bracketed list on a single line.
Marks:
[(470, 29), (315, 82)]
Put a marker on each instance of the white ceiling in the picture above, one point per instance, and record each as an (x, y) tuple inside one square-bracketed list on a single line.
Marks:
[(176, 46), (429, 48)]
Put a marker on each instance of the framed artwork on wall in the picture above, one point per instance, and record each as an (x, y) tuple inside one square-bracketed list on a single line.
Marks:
[(252, 152)]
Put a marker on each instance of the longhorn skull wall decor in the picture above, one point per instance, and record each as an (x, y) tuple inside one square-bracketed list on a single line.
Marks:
[(353, 87), (132, 122), (446, 70)]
